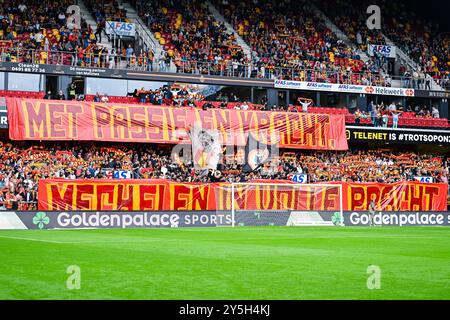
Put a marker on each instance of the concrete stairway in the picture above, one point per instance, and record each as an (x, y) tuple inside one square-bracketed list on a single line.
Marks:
[(404, 58), (87, 15), (216, 14), (338, 32), (412, 64), (145, 36)]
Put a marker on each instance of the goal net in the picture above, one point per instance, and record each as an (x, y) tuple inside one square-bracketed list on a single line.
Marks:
[(286, 204)]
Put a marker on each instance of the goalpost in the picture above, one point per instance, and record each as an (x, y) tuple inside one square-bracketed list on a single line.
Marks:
[(289, 204)]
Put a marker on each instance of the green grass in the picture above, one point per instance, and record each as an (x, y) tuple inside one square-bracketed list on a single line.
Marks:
[(226, 263)]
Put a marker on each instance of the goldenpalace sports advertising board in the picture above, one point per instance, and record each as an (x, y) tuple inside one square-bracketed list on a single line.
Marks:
[(187, 219)]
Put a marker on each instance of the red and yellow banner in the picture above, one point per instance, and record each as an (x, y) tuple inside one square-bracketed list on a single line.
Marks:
[(31, 119), (166, 195), (401, 196)]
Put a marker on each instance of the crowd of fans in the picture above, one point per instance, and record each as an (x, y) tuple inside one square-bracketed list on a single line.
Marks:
[(106, 10), (22, 164), (287, 39), (380, 114), (43, 32), (290, 41), (191, 36), (418, 37)]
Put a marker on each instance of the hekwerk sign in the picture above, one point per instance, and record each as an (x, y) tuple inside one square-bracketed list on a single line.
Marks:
[(84, 121), (343, 88)]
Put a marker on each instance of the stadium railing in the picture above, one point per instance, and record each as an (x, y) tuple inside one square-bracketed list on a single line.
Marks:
[(224, 68), (27, 206)]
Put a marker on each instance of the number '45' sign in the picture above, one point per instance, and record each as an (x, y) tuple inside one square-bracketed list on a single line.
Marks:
[(300, 178), (121, 174)]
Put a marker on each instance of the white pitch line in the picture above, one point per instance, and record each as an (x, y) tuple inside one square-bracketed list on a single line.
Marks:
[(31, 239), (123, 241), (95, 241), (223, 239)]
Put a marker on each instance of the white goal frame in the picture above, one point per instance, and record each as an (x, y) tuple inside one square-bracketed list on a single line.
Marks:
[(323, 185)]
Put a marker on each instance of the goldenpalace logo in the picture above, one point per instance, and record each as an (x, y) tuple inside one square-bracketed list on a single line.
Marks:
[(41, 219)]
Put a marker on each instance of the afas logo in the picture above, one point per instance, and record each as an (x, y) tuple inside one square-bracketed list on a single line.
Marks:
[(122, 26), (386, 50)]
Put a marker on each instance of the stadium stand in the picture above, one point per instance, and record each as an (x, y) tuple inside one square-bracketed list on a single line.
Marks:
[(292, 43), (420, 39), (37, 32), (192, 38), (24, 163), (106, 10), (288, 40)]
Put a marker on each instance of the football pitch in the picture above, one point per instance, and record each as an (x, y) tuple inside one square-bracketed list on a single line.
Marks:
[(226, 263)]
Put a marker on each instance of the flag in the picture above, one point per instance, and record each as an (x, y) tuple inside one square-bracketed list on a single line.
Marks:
[(206, 148), (256, 153)]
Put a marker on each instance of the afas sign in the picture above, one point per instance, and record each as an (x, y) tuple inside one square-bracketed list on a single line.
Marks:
[(384, 50), (120, 28)]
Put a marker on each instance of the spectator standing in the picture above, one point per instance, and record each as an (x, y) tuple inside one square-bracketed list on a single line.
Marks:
[(435, 112), (421, 83), (100, 27), (415, 79), (427, 83), (395, 116), (305, 104), (129, 54), (407, 79), (385, 119), (72, 91)]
